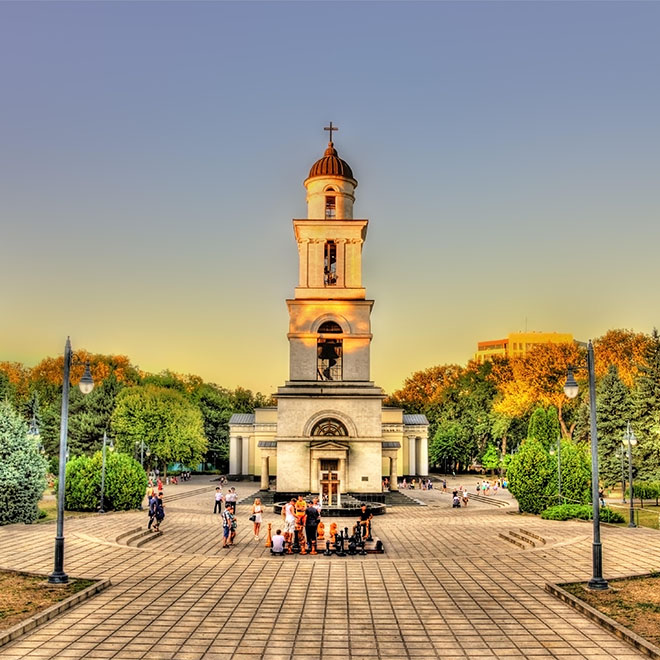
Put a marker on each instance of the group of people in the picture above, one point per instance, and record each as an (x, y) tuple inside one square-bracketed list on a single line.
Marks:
[(422, 484), (485, 487), (459, 496), (229, 522), (305, 517), (156, 506), (297, 513)]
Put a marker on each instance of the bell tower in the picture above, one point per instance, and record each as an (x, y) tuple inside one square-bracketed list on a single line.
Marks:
[(329, 434), (329, 317)]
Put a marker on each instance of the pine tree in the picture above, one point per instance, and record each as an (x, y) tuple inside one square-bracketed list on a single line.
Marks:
[(646, 404), (613, 410), (22, 469)]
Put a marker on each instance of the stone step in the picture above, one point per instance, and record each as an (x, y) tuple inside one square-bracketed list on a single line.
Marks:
[(397, 498)]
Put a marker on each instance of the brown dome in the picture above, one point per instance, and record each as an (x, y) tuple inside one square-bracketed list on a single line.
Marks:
[(331, 165)]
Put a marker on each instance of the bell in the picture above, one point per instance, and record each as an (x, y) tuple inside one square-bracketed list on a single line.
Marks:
[(328, 352)]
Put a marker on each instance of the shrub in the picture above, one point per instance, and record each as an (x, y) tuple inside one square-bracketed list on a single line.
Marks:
[(530, 476), (125, 482), (575, 471), (22, 469), (83, 485), (580, 511)]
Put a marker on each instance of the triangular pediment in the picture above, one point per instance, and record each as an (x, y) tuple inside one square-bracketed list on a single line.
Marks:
[(328, 444)]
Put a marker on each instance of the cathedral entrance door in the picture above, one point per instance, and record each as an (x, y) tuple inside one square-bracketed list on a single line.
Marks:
[(329, 481)]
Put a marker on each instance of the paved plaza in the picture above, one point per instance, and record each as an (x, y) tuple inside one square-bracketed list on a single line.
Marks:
[(448, 586)]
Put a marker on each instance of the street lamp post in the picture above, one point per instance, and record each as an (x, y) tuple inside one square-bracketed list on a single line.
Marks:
[(58, 576), (111, 447), (623, 477), (630, 438), (571, 390)]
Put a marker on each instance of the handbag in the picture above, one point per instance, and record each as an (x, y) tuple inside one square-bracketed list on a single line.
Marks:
[(252, 518)]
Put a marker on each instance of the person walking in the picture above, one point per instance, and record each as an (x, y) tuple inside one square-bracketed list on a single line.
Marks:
[(152, 509), (234, 525), (159, 511), (227, 522), (217, 508), (257, 510)]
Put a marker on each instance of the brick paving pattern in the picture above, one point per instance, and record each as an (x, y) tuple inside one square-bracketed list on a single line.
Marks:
[(448, 586)]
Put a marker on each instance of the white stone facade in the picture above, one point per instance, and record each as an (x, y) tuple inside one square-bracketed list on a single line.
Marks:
[(330, 433)]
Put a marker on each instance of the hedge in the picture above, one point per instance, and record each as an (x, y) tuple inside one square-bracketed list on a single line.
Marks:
[(580, 511)]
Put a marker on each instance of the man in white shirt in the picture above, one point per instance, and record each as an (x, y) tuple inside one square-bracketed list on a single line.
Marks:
[(278, 543), (218, 500)]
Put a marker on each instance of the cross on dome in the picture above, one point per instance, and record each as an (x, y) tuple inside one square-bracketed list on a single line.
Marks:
[(330, 128)]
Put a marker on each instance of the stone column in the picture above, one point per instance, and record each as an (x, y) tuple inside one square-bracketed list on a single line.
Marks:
[(314, 477), (343, 480), (341, 260), (264, 472), (246, 454), (412, 453), (234, 453), (303, 262), (423, 463), (394, 477)]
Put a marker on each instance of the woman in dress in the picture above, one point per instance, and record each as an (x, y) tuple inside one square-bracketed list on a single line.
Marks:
[(257, 510)]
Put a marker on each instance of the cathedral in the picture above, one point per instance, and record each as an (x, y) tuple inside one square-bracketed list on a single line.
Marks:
[(330, 433)]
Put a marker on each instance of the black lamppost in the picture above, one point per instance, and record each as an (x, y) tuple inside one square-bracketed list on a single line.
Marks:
[(571, 390), (630, 438), (111, 447), (621, 455), (58, 576)]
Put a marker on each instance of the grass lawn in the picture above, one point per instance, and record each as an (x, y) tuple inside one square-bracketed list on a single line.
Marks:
[(646, 517), (48, 504), (632, 602), (26, 595)]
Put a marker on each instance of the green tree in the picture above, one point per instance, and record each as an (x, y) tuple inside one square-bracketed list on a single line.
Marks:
[(170, 425), (22, 469), (613, 410), (445, 446), (491, 458), (531, 477), (646, 406), (544, 426)]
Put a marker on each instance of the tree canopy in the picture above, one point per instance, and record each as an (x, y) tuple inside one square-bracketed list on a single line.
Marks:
[(168, 423)]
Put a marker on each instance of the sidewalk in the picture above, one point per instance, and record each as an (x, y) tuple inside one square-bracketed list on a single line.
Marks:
[(447, 587)]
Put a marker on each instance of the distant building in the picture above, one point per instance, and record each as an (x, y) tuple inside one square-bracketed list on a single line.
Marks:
[(518, 344)]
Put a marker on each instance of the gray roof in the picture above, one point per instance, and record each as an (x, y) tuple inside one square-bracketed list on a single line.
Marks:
[(412, 420), (242, 418)]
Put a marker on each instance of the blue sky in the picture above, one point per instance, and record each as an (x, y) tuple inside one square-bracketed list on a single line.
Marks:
[(153, 155)]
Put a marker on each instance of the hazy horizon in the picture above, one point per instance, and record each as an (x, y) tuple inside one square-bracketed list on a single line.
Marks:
[(507, 156)]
